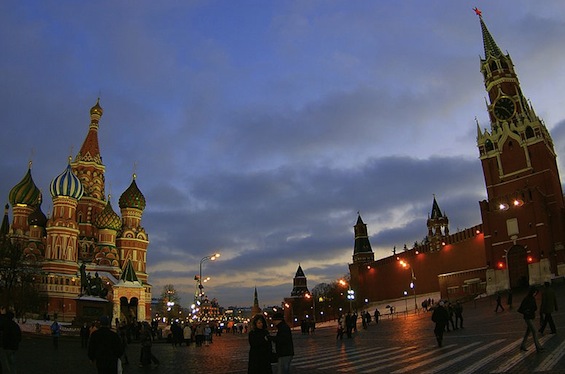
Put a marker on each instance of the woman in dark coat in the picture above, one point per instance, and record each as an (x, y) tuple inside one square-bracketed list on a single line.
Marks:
[(260, 347)]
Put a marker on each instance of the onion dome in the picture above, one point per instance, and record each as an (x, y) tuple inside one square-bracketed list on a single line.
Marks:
[(96, 110), (25, 192), (132, 197), (67, 184), (108, 219), (37, 217)]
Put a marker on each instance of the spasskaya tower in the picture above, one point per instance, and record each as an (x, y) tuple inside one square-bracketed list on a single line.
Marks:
[(523, 216)]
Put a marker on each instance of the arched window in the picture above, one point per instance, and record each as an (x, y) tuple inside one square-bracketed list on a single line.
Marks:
[(529, 132)]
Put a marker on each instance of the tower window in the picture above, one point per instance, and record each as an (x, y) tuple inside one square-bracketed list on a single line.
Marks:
[(493, 66), (488, 145), (529, 132)]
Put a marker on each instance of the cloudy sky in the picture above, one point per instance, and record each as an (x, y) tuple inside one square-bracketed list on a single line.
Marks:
[(260, 128)]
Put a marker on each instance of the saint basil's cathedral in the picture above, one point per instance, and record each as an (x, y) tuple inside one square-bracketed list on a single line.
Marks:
[(91, 261)]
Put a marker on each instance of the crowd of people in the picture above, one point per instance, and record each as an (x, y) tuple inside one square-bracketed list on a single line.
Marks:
[(107, 347)]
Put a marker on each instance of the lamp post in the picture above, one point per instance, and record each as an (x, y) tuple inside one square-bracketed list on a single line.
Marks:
[(204, 259), (406, 265), (350, 293)]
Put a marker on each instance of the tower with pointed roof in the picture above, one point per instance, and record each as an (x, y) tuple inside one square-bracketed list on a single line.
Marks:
[(523, 215), (84, 235), (255, 309), (362, 251), (438, 227), (133, 240), (300, 284)]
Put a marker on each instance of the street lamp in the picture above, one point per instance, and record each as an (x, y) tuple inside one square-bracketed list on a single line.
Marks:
[(204, 259), (406, 265), (350, 293)]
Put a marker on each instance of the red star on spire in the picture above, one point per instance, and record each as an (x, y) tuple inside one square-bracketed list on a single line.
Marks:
[(478, 11)]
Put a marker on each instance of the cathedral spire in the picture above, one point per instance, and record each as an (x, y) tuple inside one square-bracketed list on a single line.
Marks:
[(90, 150)]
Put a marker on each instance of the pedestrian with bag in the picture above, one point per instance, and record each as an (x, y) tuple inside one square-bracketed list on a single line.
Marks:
[(528, 309), (260, 347), (283, 344), (105, 348)]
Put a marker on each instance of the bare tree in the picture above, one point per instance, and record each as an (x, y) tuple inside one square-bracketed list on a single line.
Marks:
[(18, 280)]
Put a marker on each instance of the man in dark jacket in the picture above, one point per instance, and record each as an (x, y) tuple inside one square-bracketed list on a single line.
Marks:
[(104, 348), (528, 308), (283, 344), (548, 306), (11, 338), (440, 316)]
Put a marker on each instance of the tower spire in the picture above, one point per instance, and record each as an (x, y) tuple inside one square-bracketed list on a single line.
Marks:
[(490, 46)]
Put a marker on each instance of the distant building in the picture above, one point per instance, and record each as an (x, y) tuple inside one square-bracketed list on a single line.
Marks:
[(255, 309), (521, 240), (297, 306), (91, 260)]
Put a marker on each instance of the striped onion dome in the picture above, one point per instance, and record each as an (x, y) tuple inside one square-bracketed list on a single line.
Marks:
[(67, 184), (132, 197), (25, 192), (108, 219)]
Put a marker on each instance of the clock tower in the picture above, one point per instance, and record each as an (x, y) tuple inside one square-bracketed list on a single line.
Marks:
[(524, 214)]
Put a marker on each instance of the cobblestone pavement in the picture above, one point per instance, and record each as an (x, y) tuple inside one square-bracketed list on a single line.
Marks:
[(489, 343)]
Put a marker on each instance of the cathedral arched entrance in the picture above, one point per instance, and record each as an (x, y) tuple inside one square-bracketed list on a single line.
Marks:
[(128, 309), (518, 273)]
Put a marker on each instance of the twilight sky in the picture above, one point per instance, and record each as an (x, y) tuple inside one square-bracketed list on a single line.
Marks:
[(260, 128)]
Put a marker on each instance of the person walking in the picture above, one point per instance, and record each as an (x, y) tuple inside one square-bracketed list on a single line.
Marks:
[(528, 308), (187, 334), (548, 306), (440, 317), (11, 338), (498, 302), (458, 310), (146, 357), (349, 323), (340, 327), (283, 344), (260, 347), (55, 333), (377, 315), (123, 333), (105, 348), (84, 334)]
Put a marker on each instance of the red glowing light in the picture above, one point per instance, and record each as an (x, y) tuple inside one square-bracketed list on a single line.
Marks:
[(500, 265), (530, 259)]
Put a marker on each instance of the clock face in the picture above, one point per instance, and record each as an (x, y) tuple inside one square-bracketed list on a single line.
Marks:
[(504, 108)]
